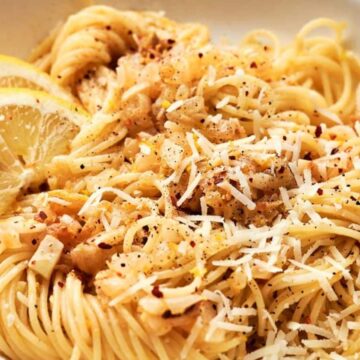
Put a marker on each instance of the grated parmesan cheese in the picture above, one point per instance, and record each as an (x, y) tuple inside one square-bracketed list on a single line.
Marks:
[(238, 195), (95, 198), (142, 283), (335, 356), (247, 271), (266, 266), (330, 115), (338, 266), (171, 153), (297, 147), (175, 105), (243, 182), (268, 316), (294, 170), (353, 325), (233, 327), (328, 290), (223, 102), (322, 274), (188, 192), (128, 94), (56, 200), (66, 219), (105, 222), (205, 145), (213, 324), (237, 311), (227, 263), (312, 329), (319, 344)]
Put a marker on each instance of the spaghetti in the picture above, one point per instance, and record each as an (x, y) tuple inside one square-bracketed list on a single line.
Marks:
[(210, 208)]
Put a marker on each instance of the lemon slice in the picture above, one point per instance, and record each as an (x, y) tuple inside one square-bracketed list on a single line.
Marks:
[(34, 127), (20, 74), (10, 179)]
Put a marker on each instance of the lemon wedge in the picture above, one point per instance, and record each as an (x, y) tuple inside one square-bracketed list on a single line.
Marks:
[(34, 127), (20, 74)]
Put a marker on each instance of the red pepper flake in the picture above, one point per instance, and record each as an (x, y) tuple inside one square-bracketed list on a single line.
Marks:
[(218, 178), (318, 131), (200, 55), (156, 292), (104, 246), (171, 41), (308, 156), (167, 314), (108, 27), (34, 241), (42, 215), (227, 274), (232, 182), (253, 65), (61, 284), (192, 243), (44, 186), (320, 191), (281, 170), (334, 151)]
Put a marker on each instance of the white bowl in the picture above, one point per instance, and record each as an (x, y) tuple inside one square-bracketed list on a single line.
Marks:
[(23, 23)]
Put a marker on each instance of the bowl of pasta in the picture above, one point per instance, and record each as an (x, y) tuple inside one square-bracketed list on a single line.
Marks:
[(179, 180)]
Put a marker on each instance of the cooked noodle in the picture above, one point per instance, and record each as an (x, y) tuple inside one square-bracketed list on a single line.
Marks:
[(209, 210)]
